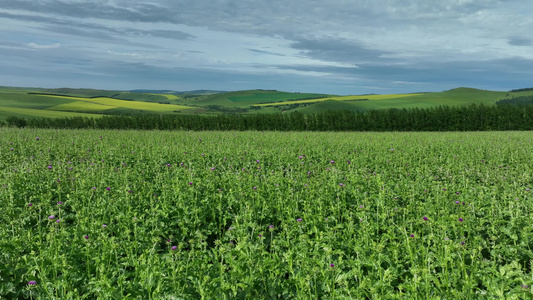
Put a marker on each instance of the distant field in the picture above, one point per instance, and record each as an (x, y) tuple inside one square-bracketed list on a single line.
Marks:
[(108, 103), (455, 97), (15, 102), (6, 111), (342, 98), (240, 102), (252, 97)]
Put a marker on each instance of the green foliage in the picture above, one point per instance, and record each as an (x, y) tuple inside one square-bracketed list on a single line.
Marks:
[(464, 118), (265, 215), (521, 100)]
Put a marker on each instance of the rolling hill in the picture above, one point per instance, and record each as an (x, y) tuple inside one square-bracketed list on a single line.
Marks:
[(65, 102)]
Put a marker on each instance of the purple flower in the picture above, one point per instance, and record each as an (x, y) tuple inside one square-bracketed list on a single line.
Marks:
[(460, 219), (59, 202), (255, 188), (29, 204), (32, 282), (361, 206), (37, 138), (58, 221), (270, 226), (463, 242), (457, 202), (49, 167), (51, 217), (212, 168), (332, 161), (174, 247), (190, 183), (108, 188), (412, 235), (104, 225), (457, 193), (260, 235), (341, 184), (299, 220), (94, 188), (332, 265), (129, 192), (425, 218), (257, 161), (86, 237), (444, 189)]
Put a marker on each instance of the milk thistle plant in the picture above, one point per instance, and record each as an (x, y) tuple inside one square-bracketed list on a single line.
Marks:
[(265, 215)]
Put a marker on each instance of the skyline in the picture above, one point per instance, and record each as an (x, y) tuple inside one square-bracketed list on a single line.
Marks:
[(335, 47)]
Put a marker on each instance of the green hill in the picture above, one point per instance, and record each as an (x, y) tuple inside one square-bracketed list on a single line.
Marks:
[(93, 102), (251, 97)]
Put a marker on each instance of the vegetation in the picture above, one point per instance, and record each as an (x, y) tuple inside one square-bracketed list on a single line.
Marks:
[(443, 118), (522, 100), (145, 102), (100, 214)]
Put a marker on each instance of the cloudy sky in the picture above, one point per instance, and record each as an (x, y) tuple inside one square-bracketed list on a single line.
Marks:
[(328, 46)]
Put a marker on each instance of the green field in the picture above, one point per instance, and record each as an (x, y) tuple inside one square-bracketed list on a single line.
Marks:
[(90, 214), (237, 102), (455, 97), (25, 103), (251, 97)]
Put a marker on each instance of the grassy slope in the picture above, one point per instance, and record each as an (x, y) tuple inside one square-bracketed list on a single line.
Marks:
[(87, 103), (455, 97), (17, 100), (6, 111), (251, 97), (329, 105)]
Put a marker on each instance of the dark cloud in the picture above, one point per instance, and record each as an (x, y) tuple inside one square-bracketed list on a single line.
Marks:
[(265, 52), (519, 41), (338, 50), (85, 29)]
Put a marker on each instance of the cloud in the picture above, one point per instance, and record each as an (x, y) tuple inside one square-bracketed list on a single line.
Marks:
[(328, 44), (520, 41), (37, 46)]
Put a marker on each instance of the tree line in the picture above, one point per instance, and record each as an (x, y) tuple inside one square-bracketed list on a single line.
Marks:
[(442, 118)]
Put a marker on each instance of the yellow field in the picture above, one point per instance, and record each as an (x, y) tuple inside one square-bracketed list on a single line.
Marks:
[(81, 106), (108, 103), (169, 97), (44, 113), (341, 98)]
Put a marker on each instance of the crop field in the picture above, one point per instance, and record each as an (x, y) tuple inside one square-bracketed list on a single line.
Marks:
[(90, 214), (6, 111), (115, 103)]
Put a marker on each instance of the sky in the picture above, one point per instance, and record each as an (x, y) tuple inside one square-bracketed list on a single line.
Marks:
[(329, 46)]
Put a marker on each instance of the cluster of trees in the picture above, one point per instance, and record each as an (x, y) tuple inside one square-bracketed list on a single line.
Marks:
[(443, 118), (521, 90), (523, 100)]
